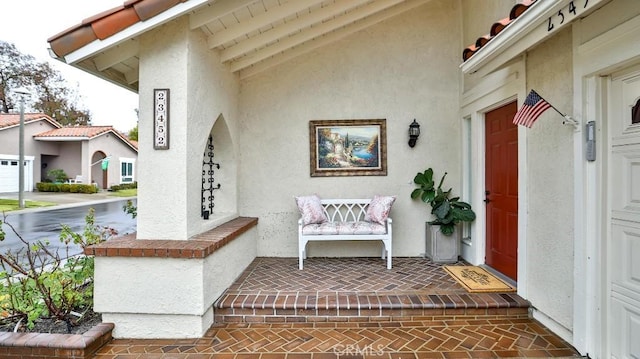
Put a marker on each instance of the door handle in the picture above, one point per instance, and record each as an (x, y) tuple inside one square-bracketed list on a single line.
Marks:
[(486, 196)]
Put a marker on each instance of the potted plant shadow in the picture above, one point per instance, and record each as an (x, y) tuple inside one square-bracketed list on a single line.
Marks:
[(442, 233)]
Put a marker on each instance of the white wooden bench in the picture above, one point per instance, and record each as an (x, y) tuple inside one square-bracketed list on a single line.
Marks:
[(345, 223)]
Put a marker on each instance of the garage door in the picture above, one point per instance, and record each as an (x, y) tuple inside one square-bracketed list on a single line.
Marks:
[(9, 181)]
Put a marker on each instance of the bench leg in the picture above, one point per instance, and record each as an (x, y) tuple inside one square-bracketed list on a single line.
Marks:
[(386, 249), (301, 254)]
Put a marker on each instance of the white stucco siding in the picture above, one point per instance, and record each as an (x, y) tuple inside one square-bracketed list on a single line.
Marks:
[(550, 163), (213, 97), (403, 68), (159, 297), (163, 64), (201, 89)]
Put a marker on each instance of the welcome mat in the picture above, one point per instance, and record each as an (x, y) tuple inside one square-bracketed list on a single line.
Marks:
[(477, 280)]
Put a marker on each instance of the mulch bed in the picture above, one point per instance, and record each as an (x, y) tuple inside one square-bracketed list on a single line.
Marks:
[(53, 326)]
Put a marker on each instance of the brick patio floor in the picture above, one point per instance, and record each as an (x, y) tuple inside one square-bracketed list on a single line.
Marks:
[(356, 308)]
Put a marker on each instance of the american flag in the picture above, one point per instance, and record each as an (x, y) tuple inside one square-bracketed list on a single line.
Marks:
[(533, 107)]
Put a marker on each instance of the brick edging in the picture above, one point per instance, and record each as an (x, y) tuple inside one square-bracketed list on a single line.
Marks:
[(200, 246), (46, 345)]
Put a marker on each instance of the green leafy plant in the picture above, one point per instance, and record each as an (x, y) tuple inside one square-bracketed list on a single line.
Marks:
[(57, 175), (39, 282), (448, 211)]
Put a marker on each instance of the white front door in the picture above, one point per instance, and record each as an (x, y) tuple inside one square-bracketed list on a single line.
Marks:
[(623, 244)]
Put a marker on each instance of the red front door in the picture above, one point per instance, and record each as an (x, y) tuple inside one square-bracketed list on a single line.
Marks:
[(501, 178)]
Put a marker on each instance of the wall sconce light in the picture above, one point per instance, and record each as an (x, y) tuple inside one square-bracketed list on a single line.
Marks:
[(414, 132)]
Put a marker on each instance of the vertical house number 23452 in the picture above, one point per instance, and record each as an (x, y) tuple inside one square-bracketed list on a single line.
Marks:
[(161, 119)]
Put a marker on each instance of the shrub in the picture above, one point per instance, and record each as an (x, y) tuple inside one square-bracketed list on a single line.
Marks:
[(57, 175), (66, 187), (118, 187), (40, 283)]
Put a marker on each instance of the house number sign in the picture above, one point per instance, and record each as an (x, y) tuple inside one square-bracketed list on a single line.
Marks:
[(161, 119)]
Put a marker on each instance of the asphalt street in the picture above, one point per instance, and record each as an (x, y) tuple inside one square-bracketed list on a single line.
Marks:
[(45, 223)]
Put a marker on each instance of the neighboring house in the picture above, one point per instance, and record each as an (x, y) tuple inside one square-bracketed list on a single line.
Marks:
[(79, 151), (253, 79)]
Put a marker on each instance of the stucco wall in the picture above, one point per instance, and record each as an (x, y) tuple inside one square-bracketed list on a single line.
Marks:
[(112, 146), (182, 63), (551, 197), (403, 68)]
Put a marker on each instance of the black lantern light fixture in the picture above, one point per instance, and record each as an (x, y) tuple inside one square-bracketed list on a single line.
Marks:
[(414, 132)]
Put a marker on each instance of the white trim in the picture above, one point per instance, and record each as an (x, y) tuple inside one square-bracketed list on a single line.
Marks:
[(16, 157), (133, 169), (98, 46), (493, 91), (522, 34)]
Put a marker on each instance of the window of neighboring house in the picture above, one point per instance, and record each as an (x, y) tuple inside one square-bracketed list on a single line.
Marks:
[(126, 170), (4, 163)]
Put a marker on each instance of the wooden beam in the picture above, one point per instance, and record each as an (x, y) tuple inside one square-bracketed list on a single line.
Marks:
[(325, 40), (315, 32), (117, 54), (217, 10), (290, 27), (262, 20)]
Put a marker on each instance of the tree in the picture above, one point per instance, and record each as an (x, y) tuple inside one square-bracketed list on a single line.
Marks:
[(133, 134), (53, 96)]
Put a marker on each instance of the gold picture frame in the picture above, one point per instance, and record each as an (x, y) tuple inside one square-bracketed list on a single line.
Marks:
[(348, 147)]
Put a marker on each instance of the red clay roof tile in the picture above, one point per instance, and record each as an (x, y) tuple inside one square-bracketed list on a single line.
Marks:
[(76, 131), (496, 28), (107, 23), (13, 119)]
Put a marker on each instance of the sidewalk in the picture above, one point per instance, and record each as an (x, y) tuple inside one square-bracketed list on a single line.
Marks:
[(63, 199)]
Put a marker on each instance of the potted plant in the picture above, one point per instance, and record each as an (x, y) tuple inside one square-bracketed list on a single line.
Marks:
[(442, 236)]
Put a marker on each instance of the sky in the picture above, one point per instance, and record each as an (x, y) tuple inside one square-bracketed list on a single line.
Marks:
[(29, 23)]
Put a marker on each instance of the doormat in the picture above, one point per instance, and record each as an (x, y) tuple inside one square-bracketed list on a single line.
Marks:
[(478, 280)]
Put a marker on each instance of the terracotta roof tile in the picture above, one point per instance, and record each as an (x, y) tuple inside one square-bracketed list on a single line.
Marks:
[(107, 23), (82, 132), (76, 131), (13, 119), (496, 28)]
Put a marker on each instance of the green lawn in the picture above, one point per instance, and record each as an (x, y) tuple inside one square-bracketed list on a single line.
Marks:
[(7, 205), (126, 193)]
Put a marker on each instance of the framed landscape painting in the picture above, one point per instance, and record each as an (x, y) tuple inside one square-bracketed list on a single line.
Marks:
[(348, 147)]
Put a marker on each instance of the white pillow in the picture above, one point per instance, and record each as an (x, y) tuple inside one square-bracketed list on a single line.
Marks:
[(379, 209), (311, 209)]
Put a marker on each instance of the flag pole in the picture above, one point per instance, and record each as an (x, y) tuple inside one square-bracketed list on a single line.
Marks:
[(568, 120)]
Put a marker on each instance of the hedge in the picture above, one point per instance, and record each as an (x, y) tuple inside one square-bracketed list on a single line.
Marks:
[(66, 187)]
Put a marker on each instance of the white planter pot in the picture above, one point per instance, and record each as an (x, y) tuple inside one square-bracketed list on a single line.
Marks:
[(441, 248)]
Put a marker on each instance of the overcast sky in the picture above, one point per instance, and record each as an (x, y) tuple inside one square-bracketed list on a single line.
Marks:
[(29, 23)]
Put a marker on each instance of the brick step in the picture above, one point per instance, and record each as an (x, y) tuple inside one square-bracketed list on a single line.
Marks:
[(298, 307)]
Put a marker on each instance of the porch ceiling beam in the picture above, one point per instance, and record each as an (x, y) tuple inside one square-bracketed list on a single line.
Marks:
[(260, 21), (216, 11), (290, 27), (317, 31), (132, 76), (116, 54), (330, 38)]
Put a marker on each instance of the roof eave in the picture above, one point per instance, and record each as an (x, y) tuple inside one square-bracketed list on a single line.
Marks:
[(61, 138), (523, 33), (76, 57)]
